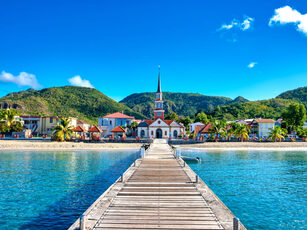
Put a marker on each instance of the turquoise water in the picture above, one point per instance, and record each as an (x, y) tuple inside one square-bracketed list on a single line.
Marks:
[(49, 190), (266, 190)]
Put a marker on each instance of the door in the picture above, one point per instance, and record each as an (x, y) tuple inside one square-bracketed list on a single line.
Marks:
[(159, 133)]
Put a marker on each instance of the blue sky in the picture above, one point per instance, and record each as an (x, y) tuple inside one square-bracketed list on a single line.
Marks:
[(252, 48)]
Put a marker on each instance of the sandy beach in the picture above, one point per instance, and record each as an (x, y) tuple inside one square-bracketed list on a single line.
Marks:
[(51, 145), (48, 145), (280, 146)]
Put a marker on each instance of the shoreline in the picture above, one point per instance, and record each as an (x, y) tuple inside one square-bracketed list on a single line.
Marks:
[(246, 146), (208, 146), (58, 146)]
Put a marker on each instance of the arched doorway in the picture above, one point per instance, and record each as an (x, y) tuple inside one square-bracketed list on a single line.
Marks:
[(159, 133), (175, 134), (142, 133)]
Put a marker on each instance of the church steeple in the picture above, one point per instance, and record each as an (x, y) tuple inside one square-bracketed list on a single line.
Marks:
[(159, 83), (159, 112)]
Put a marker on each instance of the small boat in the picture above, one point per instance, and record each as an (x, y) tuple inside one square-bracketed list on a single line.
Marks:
[(191, 159)]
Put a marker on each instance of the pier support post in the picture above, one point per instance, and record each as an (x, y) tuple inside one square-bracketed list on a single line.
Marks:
[(122, 178), (184, 164), (236, 225), (82, 222), (142, 152), (134, 163), (196, 179)]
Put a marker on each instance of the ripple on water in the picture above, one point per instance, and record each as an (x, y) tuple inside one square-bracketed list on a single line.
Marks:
[(266, 190)]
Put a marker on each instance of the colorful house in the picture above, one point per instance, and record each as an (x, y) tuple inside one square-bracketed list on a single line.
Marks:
[(261, 127), (159, 128), (47, 124), (110, 121)]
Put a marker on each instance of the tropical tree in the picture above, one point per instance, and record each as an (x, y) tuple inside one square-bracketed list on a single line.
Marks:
[(171, 116), (186, 121), (230, 131), (9, 121), (295, 116), (277, 133), (217, 128), (302, 132), (242, 131), (201, 117), (63, 130)]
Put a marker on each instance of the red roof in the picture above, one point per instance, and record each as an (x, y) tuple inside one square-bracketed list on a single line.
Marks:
[(94, 129), (79, 129), (169, 122), (118, 129), (118, 115), (198, 128), (149, 122), (207, 128)]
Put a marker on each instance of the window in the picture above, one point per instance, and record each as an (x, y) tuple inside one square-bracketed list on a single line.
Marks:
[(158, 113), (142, 133), (51, 120), (175, 133), (159, 122), (110, 122), (151, 133), (165, 133)]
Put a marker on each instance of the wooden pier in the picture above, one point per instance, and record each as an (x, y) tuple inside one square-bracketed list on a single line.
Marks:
[(158, 192)]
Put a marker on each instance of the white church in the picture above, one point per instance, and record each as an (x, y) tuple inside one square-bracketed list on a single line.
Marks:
[(159, 128)]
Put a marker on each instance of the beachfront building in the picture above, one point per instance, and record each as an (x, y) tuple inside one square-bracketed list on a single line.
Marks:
[(83, 125), (110, 121), (47, 124), (193, 125), (261, 127), (118, 131), (159, 128), (31, 123)]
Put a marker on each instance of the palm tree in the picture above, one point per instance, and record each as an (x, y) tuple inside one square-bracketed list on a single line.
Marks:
[(217, 128), (63, 130), (277, 133), (242, 131), (9, 121)]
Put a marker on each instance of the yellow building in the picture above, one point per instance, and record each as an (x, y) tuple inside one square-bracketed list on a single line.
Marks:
[(47, 124)]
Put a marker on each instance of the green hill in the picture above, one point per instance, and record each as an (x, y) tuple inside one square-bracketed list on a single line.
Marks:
[(271, 108), (299, 94), (186, 104), (85, 103)]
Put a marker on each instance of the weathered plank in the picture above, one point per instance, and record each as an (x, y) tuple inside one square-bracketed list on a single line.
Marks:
[(159, 193)]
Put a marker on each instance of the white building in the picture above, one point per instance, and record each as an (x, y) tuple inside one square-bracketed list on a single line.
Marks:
[(110, 121), (159, 128), (262, 127)]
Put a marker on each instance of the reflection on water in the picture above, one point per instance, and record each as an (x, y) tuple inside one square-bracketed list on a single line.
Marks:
[(266, 190), (49, 190)]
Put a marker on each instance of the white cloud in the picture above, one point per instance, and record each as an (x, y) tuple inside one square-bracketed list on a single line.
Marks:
[(252, 65), (244, 25), (286, 14), (23, 79), (78, 81)]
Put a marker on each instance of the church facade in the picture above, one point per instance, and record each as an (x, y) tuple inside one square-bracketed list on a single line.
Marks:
[(159, 127)]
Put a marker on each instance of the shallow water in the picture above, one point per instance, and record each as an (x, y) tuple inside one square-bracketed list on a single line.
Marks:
[(266, 190), (49, 190)]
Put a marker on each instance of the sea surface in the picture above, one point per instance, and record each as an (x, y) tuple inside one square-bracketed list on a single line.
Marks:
[(264, 189), (49, 190)]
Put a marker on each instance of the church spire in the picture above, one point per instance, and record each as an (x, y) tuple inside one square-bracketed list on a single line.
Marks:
[(159, 82)]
